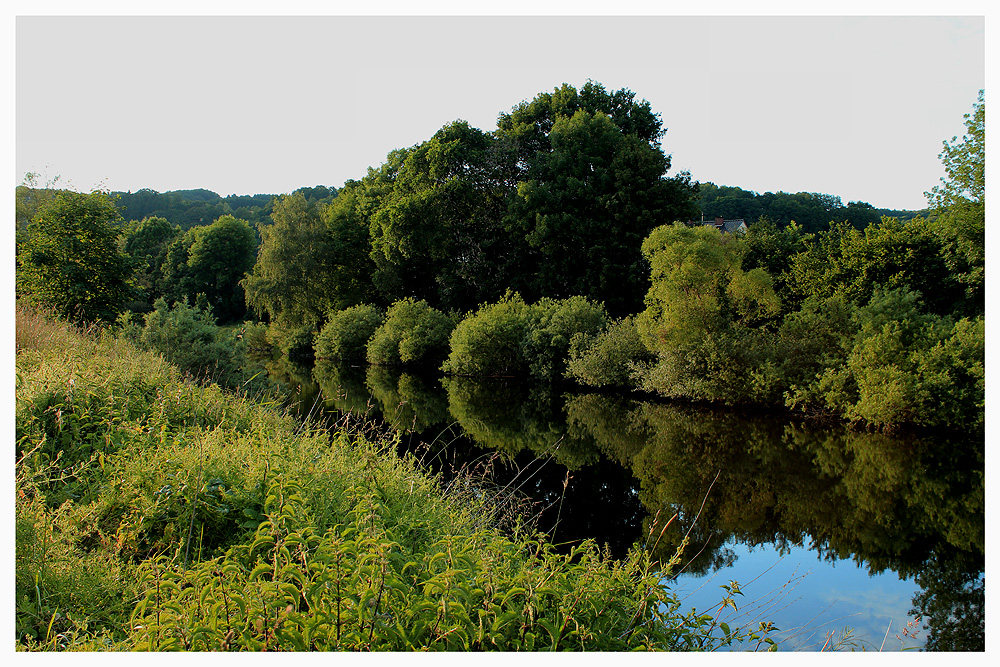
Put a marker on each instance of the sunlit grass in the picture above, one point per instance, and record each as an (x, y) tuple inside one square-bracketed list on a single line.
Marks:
[(137, 488)]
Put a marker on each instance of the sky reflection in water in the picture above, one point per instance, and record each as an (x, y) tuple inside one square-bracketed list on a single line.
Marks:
[(807, 598)]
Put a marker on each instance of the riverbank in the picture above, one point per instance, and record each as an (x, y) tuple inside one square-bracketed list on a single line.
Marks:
[(153, 513)]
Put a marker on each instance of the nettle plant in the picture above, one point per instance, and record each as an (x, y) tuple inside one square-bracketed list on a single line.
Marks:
[(358, 586)]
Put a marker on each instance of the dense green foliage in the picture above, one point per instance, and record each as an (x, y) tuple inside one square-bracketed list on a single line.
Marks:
[(608, 358), (156, 511), (211, 260), (346, 333), (189, 338), (554, 203), (290, 280), (567, 207), (147, 242), (489, 340), (511, 337), (865, 344), (157, 514), (70, 261), (554, 324), (435, 213), (29, 198), (593, 187), (883, 326), (413, 334), (964, 183)]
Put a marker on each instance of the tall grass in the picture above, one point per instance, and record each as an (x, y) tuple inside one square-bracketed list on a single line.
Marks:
[(154, 513)]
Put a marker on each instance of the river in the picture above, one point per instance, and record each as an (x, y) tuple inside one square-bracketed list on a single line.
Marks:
[(844, 539)]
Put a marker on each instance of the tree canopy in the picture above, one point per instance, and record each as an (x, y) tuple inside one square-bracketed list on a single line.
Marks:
[(71, 262), (964, 162), (211, 260), (435, 214), (592, 185)]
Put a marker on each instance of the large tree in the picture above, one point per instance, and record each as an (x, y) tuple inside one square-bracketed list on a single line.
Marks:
[(212, 260), (592, 186), (437, 232), (71, 262), (555, 203), (310, 261), (959, 204), (147, 242)]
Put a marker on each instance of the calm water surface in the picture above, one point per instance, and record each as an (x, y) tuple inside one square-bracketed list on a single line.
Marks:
[(822, 527)]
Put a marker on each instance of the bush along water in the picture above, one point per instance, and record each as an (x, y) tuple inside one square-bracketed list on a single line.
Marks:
[(156, 513)]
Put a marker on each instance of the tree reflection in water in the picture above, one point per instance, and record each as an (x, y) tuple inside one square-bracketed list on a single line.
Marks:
[(615, 469)]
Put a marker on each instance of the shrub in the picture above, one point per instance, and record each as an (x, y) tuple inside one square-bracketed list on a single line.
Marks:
[(608, 358), (489, 341), (817, 337), (413, 334), (256, 343), (913, 367), (887, 363), (735, 366), (293, 341), (552, 327), (511, 337), (189, 338), (346, 334)]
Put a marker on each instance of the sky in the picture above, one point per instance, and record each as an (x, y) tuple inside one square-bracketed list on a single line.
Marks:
[(853, 106)]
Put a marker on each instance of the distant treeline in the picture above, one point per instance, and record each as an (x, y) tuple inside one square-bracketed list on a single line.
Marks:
[(812, 211), (189, 208)]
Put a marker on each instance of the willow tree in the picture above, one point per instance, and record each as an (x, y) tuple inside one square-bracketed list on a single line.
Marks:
[(701, 315), (699, 288)]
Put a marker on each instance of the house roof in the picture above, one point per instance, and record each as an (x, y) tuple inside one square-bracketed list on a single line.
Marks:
[(725, 226), (733, 225)]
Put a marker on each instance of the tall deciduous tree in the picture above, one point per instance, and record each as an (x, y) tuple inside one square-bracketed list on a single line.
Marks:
[(147, 243), (437, 231), (592, 186), (284, 282), (71, 261), (960, 208), (311, 261), (220, 257), (212, 260)]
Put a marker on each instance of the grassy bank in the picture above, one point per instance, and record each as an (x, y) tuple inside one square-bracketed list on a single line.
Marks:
[(155, 513)]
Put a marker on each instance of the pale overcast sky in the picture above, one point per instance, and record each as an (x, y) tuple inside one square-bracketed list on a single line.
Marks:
[(855, 107)]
